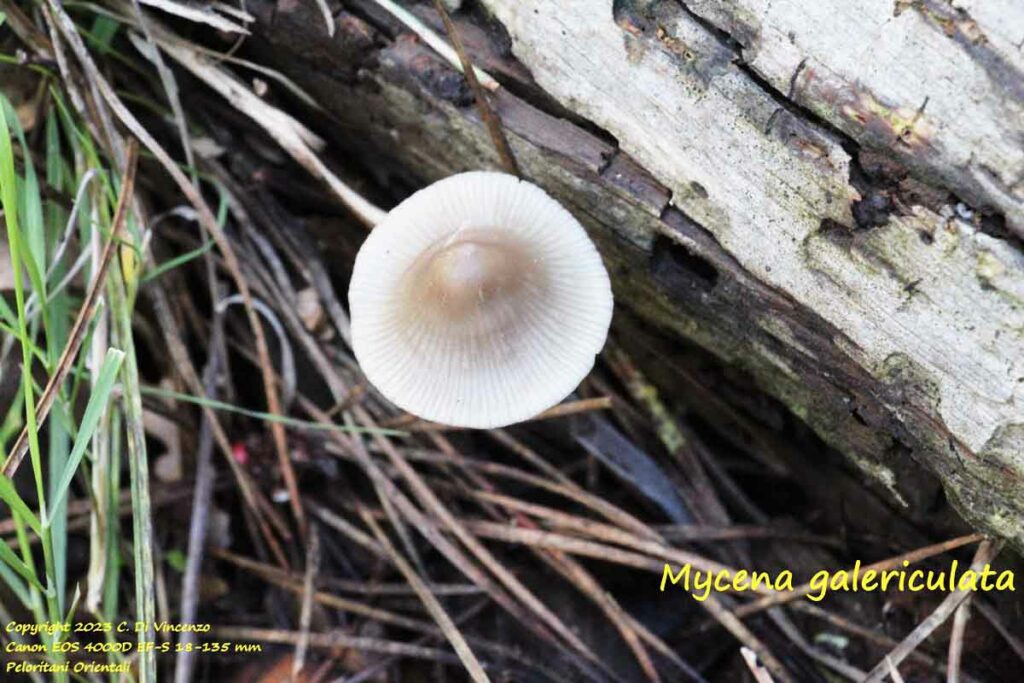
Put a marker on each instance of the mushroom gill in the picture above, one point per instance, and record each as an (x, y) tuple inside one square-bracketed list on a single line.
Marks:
[(478, 302)]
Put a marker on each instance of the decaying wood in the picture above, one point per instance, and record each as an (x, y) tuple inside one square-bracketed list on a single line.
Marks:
[(939, 85), (830, 202)]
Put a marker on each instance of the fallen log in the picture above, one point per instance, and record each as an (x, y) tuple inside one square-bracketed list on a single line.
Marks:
[(833, 204)]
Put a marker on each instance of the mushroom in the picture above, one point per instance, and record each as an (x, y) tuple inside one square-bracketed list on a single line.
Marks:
[(478, 302)]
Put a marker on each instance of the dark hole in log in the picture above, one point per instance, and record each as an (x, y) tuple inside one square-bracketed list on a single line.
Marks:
[(676, 268), (873, 211)]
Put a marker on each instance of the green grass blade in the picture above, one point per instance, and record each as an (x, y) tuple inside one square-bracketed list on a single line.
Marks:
[(93, 411), (103, 31), (30, 210), (8, 315), (9, 200), (57, 312), (178, 261), (12, 560), (17, 586), (138, 467), (112, 574), (12, 420), (8, 178), (18, 506), (72, 610), (260, 415), (32, 220)]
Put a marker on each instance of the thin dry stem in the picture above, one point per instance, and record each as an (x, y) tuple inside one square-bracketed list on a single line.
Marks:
[(956, 641), (491, 120), (986, 552), (451, 631)]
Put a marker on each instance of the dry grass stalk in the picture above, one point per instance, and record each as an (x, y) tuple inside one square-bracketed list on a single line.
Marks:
[(433, 606), (207, 220), (986, 552), (491, 120)]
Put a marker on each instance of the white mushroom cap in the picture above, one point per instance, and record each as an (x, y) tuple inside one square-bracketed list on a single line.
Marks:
[(478, 302)]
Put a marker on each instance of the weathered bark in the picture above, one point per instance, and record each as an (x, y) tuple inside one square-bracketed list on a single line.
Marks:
[(826, 199)]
